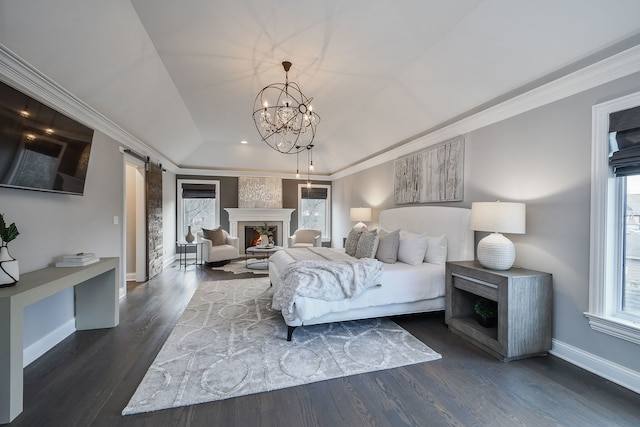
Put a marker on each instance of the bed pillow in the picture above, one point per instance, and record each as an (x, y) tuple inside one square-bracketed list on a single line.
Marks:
[(351, 243), (436, 250), (216, 236), (367, 244), (412, 248), (388, 243)]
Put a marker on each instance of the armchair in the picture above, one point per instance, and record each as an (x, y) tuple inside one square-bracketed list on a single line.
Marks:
[(221, 253), (305, 237)]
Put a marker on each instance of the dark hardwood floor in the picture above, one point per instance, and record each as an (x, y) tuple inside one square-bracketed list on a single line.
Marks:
[(89, 378)]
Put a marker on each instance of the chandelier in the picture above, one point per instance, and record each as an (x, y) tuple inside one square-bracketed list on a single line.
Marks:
[(285, 117)]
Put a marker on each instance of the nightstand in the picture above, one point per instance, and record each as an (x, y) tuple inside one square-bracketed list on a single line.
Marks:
[(525, 303)]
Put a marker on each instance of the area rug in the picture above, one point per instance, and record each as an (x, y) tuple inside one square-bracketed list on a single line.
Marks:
[(229, 342), (240, 267)]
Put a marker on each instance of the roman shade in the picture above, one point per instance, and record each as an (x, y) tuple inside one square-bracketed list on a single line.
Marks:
[(198, 191), (314, 193), (624, 139)]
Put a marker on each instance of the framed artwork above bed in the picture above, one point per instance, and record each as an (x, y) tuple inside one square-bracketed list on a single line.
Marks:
[(431, 175)]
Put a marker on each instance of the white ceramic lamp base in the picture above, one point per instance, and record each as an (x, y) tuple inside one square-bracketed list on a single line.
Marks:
[(496, 252)]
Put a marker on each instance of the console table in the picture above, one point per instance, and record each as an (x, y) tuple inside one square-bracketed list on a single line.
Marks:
[(96, 307)]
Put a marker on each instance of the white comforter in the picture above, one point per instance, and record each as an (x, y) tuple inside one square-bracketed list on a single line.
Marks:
[(399, 284), (322, 279)]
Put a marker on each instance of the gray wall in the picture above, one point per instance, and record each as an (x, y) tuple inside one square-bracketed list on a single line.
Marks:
[(52, 225), (542, 158)]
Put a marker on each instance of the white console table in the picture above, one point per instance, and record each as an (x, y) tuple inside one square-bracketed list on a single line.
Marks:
[(96, 306)]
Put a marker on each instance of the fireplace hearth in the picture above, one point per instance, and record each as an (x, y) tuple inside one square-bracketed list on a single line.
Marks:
[(252, 237)]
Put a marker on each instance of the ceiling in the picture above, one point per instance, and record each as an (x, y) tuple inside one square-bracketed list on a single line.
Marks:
[(182, 76)]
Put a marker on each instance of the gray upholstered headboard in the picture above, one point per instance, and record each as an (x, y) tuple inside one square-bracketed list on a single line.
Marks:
[(435, 221)]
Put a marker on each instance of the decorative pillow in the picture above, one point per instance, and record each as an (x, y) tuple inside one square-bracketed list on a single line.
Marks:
[(412, 248), (216, 236), (351, 244), (367, 244), (436, 250), (388, 246)]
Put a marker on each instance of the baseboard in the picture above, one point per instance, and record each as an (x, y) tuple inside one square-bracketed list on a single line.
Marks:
[(131, 277), (599, 366), (47, 342), (168, 261)]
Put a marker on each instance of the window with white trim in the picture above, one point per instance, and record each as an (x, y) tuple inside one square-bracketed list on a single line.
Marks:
[(614, 279), (314, 208), (198, 205)]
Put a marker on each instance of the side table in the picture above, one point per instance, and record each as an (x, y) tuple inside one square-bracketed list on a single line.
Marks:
[(524, 305), (183, 250)]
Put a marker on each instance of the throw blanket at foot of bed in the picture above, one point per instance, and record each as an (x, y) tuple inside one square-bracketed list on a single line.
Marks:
[(325, 280)]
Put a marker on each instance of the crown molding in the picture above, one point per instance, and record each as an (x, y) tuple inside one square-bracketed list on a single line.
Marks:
[(609, 69), (17, 72)]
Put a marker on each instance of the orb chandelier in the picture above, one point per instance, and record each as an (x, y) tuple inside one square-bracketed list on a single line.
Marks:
[(285, 117)]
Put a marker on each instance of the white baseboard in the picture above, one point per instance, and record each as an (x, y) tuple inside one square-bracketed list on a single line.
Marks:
[(599, 366), (131, 277), (168, 261), (47, 342)]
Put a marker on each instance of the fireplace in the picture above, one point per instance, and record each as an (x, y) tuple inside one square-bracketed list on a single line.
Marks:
[(239, 218), (252, 237)]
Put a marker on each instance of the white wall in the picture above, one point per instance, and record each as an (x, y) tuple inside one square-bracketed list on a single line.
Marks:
[(52, 225), (169, 217), (542, 158)]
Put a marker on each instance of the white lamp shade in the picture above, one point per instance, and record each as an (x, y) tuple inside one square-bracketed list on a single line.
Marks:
[(360, 214), (498, 217)]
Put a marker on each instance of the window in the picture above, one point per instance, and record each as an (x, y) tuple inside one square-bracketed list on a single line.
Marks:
[(198, 205), (314, 208), (614, 279)]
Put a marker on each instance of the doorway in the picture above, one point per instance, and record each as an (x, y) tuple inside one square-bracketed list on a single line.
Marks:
[(135, 221)]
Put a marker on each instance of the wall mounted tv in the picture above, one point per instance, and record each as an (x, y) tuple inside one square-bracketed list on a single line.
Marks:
[(40, 148)]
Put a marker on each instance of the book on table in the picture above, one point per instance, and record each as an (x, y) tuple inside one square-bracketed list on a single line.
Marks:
[(77, 260)]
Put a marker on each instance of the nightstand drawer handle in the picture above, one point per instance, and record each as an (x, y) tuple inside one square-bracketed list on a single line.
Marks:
[(471, 279)]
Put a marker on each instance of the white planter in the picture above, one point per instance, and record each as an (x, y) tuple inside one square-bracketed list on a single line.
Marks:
[(9, 272)]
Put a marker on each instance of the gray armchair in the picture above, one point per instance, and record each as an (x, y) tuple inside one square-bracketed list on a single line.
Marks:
[(305, 238)]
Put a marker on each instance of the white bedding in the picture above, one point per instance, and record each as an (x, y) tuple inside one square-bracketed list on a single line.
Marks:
[(399, 283), (403, 288)]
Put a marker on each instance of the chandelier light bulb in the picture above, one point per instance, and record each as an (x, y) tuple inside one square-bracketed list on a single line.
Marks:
[(298, 173)]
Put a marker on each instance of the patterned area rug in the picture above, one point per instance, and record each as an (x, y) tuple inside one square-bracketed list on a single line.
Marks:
[(230, 343), (239, 267)]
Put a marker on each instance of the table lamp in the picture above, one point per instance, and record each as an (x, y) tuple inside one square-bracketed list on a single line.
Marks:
[(496, 251), (360, 215)]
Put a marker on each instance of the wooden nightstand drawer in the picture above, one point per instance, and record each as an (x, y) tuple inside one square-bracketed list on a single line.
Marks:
[(476, 286)]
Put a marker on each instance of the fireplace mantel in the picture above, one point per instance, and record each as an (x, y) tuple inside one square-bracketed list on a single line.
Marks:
[(237, 215)]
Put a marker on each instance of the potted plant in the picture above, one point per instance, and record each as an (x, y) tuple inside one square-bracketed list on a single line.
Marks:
[(9, 273), (265, 231), (486, 311)]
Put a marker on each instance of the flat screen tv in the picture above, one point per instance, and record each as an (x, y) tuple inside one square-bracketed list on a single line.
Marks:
[(40, 148)]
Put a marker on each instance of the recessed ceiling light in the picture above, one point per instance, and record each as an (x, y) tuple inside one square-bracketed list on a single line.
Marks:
[(244, 142)]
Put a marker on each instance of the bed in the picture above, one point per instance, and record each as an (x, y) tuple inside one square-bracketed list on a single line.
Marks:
[(401, 288)]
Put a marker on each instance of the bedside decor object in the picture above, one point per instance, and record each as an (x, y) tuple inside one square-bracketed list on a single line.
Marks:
[(189, 237), (486, 311), (9, 271), (360, 215), (496, 251)]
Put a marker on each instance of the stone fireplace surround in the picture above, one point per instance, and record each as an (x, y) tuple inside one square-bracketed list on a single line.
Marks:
[(241, 217)]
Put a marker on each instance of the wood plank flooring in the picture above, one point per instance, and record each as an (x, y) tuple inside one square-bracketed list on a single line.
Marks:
[(89, 378)]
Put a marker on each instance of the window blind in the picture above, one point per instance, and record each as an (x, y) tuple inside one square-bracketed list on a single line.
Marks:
[(624, 139), (314, 193), (198, 191)]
